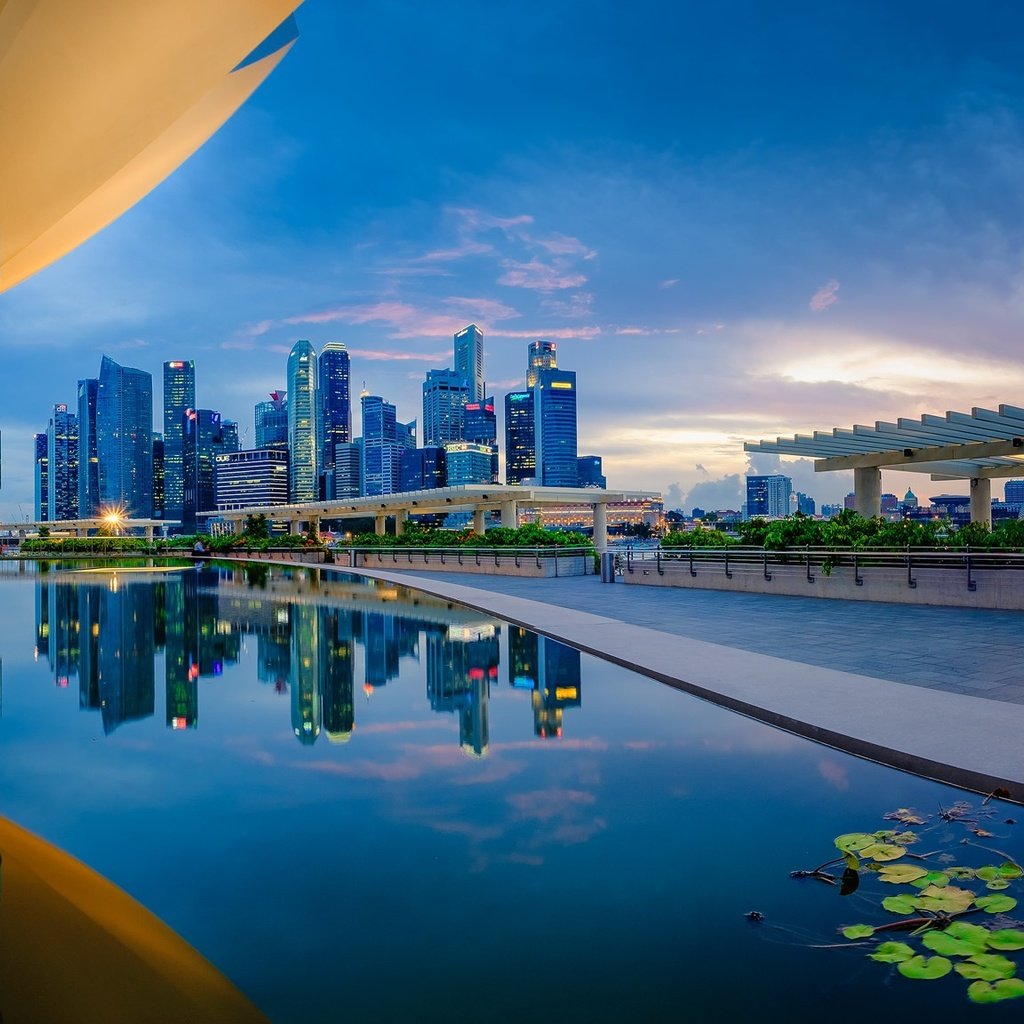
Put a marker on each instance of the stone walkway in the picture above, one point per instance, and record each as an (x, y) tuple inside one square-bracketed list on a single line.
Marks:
[(952, 650)]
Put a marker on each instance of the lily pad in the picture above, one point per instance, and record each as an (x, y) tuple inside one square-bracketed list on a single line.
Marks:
[(1006, 939), (925, 968), (860, 931), (995, 904), (906, 816), (938, 878), (1009, 870), (969, 932), (986, 967), (959, 872), (948, 900), (882, 852), (983, 992), (896, 953), (853, 842), (899, 874), (950, 945), (901, 904), (997, 884), (903, 838)]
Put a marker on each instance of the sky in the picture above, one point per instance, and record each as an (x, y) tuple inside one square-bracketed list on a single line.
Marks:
[(737, 220)]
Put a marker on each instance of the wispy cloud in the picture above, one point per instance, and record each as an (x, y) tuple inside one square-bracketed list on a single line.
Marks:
[(824, 296), (539, 276), (383, 356), (633, 330), (669, 282)]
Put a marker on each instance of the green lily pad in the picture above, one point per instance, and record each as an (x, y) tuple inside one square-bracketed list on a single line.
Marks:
[(988, 872), (1006, 939), (938, 878), (926, 968), (896, 953), (851, 860), (882, 852), (995, 904), (991, 873), (986, 967), (997, 884), (950, 945), (853, 842), (947, 900), (969, 932), (903, 838), (899, 874), (1009, 870), (960, 872), (859, 931), (983, 992), (901, 904)]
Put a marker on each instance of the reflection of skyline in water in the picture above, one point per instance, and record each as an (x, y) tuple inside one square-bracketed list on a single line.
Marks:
[(108, 632)]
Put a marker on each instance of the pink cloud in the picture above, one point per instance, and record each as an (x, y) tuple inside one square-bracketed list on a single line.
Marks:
[(557, 333), (576, 305), (538, 276), (633, 330), (563, 245), (824, 296), (834, 774), (378, 355), (545, 804), (468, 247), (477, 219)]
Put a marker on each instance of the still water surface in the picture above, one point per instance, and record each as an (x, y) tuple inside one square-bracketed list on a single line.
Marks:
[(364, 803)]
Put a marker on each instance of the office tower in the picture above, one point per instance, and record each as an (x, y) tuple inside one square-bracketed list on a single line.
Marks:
[(554, 420), (423, 469), (62, 456), (337, 675), (382, 452), (302, 468), (335, 419), (202, 442), (805, 504), (41, 477), (588, 472), (542, 356), (1015, 491), (768, 495), (480, 426), (468, 463), (345, 480), (445, 394), (124, 437), (179, 395), (229, 429), (125, 657), (159, 478), (520, 453), (88, 456), (305, 673), (272, 422), (469, 360), (251, 478)]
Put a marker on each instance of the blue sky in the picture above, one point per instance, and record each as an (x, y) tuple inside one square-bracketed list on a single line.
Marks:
[(738, 220)]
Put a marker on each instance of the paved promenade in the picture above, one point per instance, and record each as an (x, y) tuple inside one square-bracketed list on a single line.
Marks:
[(938, 691)]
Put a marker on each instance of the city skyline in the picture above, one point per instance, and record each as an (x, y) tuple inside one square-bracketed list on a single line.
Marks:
[(758, 256)]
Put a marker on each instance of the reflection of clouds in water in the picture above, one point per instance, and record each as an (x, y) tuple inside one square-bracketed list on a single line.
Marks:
[(544, 804), (835, 774)]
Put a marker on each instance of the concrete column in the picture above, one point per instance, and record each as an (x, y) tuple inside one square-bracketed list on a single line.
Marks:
[(149, 534), (510, 514), (78, 532), (378, 525), (237, 526), (293, 527), (314, 525), (401, 517), (981, 501), (867, 489), (601, 527), (478, 522)]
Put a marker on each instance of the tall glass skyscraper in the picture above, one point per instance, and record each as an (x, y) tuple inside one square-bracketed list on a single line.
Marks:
[(445, 393), (62, 456), (88, 457), (382, 451), (335, 420), (480, 426), (272, 422), (520, 450), (469, 360), (202, 442), (302, 467), (179, 395), (42, 477), (543, 356), (124, 437), (554, 419)]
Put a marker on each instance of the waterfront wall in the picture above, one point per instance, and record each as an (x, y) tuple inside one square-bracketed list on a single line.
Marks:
[(543, 564)]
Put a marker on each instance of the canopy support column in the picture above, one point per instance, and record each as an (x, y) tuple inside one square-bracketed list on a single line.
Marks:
[(478, 522), (867, 489), (981, 501), (601, 527)]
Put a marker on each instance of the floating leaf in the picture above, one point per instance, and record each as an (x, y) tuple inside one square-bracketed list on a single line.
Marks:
[(986, 967), (970, 932), (852, 863), (960, 872), (948, 900), (926, 968), (853, 842), (903, 838), (938, 878), (950, 945), (988, 873), (1006, 939), (885, 835), (882, 852), (906, 816), (899, 874), (860, 931), (901, 904), (895, 953), (997, 884), (995, 904), (983, 833), (1008, 870), (983, 992)]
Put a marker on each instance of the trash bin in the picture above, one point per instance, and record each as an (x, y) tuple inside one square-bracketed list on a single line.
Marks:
[(608, 567)]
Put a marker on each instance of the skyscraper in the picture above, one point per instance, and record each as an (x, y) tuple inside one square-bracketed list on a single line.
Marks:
[(179, 395), (41, 477), (272, 422), (62, 457), (229, 429), (768, 495), (88, 457), (554, 419), (520, 452), (159, 479), (542, 356), (445, 393), (589, 472), (480, 426), (382, 451), (469, 360), (202, 442), (345, 480), (302, 468), (335, 419), (124, 437)]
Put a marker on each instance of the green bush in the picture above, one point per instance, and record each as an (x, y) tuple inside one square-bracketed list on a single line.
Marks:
[(528, 536)]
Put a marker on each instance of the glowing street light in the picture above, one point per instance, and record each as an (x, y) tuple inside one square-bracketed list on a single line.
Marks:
[(114, 518)]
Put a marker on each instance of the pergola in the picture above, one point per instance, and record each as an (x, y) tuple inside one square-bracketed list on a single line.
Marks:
[(978, 446)]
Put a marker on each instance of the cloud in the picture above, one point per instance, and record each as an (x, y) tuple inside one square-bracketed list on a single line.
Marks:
[(539, 276), (551, 334), (672, 496), (381, 356), (633, 330), (669, 282), (824, 296)]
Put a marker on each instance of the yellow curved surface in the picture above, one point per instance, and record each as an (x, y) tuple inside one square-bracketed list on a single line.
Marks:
[(100, 100), (74, 948)]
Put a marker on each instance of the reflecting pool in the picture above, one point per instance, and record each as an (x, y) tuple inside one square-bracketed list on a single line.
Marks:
[(361, 802)]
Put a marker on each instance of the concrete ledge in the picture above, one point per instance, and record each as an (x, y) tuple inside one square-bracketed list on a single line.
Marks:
[(472, 563), (954, 738)]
